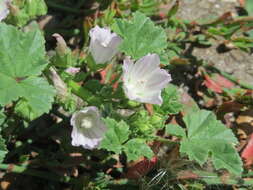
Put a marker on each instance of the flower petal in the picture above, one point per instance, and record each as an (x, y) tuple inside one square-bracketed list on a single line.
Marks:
[(115, 42), (146, 64), (128, 65), (158, 79), (153, 97)]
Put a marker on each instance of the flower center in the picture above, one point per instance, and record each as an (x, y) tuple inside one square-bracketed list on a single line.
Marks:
[(86, 123)]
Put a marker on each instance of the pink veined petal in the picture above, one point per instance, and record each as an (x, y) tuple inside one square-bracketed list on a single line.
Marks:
[(128, 67), (127, 64), (129, 93), (158, 80), (145, 65), (100, 34), (153, 97), (115, 42), (100, 53)]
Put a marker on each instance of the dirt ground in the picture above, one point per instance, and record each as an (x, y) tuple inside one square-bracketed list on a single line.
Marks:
[(235, 62)]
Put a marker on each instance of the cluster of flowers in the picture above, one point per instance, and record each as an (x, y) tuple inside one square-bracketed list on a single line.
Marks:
[(143, 82)]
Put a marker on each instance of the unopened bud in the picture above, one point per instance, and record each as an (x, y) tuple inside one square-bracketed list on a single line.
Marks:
[(72, 70), (14, 10), (61, 47)]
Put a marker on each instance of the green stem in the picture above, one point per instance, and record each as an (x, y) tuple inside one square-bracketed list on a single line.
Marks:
[(93, 66), (83, 93), (44, 175), (109, 73)]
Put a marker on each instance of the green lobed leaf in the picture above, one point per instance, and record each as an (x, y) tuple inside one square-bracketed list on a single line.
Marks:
[(115, 136), (171, 102), (249, 7), (140, 36), (135, 148), (206, 135), (148, 7), (175, 130), (22, 59)]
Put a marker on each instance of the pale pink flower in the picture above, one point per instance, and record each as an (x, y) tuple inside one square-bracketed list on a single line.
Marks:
[(103, 44), (4, 9), (144, 80), (88, 128)]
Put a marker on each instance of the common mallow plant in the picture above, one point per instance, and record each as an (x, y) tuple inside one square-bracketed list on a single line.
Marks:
[(103, 44), (111, 113), (143, 81)]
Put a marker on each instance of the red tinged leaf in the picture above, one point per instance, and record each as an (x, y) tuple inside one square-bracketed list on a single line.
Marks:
[(184, 175), (247, 153), (217, 82), (162, 15), (211, 84), (141, 168), (103, 74), (103, 77), (220, 80)]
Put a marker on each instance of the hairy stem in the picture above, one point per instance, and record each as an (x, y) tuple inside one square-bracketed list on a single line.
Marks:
[(83, 93)]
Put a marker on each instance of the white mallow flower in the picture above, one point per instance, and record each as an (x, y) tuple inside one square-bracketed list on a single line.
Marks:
[(88, 128), (4, 9), (103, 44), (143, 81)]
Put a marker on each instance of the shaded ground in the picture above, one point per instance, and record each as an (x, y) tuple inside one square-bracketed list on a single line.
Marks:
[(235, 62)]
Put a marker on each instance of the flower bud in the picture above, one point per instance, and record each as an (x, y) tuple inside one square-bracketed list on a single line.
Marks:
[(63, 57), (61, 46), (145, 123), (72, 70)]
